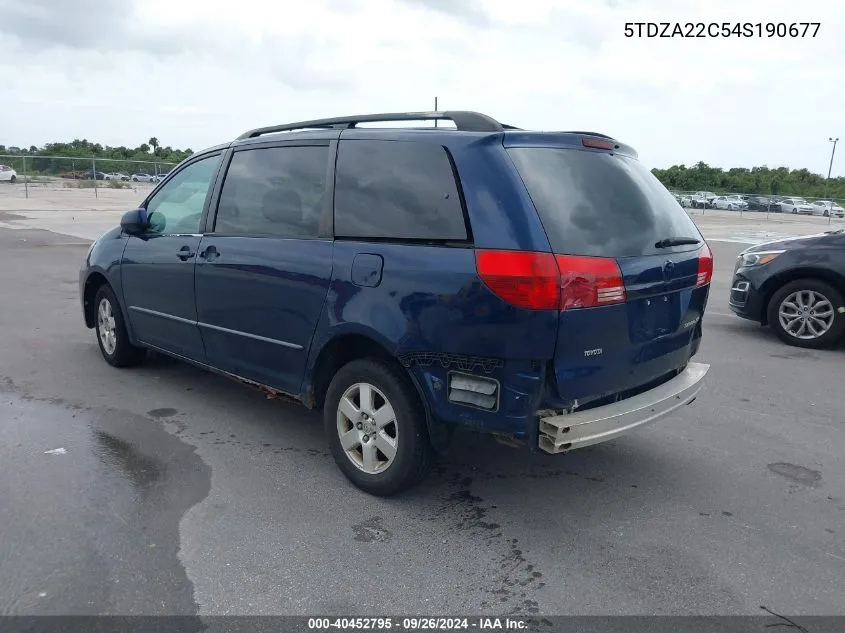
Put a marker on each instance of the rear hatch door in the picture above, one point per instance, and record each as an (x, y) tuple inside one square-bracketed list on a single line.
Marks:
[(635, 270)]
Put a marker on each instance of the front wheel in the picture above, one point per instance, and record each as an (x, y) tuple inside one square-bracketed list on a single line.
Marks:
[(376, 427), (111, 331), (806, 313)]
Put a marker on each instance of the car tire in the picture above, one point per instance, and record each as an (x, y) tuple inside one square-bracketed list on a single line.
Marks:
[(817, 295), (13, 179), (110, 328), (401, 454), (827, 214)]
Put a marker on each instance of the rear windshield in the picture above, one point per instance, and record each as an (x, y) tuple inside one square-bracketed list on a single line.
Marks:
[(596, 203)]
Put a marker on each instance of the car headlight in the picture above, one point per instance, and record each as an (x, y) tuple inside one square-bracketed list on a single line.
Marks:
[(757, 258)]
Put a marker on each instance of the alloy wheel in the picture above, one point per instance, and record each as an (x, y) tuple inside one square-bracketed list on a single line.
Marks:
[(806, 314), (366, 426)]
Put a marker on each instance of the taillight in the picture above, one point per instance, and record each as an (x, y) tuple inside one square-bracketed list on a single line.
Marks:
[(587, 282), (705, 266), (522, 279), (596, 143), (542, 281)]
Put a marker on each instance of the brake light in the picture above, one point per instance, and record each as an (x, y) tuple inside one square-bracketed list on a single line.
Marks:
[(705, 266), (542, 281), (595, 143), (521, 278), (587, 282)]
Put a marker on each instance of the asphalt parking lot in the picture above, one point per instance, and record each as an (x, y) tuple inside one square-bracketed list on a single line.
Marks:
[(164, 489)]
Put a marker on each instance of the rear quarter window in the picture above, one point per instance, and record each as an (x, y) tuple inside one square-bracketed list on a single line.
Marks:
[(397, 190), (598, 203)]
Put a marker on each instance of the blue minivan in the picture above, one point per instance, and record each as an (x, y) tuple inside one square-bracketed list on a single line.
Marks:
[(540, 286)]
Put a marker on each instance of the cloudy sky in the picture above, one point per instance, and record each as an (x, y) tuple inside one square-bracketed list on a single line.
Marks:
[(197, 72)]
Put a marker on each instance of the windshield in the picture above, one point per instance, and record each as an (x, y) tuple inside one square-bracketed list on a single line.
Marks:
[(597, 203)]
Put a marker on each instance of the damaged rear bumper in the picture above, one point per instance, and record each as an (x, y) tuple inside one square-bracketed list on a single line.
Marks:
[(566, 432)]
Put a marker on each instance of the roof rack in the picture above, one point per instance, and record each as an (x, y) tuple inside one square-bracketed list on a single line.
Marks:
[(465, 121)]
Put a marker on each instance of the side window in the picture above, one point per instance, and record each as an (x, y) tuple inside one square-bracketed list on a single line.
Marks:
[(177, 206), (276, 191), (396, 189)]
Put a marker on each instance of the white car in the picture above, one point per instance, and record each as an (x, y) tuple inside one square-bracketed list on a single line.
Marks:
[(731, 203), (828, 208), (7, 174), (796, 205), (142, 177), (703, 199)]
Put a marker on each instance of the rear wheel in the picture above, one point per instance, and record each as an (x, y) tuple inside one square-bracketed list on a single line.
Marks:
[(376, 427), (806, 313), (111, 331), (13, 179)]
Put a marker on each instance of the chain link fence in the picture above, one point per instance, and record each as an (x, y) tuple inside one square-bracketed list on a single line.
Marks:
[(32, 175)]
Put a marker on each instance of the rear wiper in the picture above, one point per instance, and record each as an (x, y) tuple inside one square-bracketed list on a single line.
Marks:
[(676, 241)]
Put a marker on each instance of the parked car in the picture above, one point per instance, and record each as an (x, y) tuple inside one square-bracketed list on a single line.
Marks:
[(160, 177), (731, 203), (703, 199), (795, 205), (142, 177), (366, 272), (762, 203), (7, 174), (90, 174), (686, 201), (116, 176), (827, 208), (796, 286)]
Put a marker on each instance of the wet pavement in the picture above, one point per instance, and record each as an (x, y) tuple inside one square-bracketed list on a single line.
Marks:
[(182, 492), (91, 509)]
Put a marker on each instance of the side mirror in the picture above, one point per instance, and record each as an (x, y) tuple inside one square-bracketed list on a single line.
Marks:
[(135, 222)]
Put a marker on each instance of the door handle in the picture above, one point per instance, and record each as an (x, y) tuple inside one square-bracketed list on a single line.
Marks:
[(185, 253), (210, 253)]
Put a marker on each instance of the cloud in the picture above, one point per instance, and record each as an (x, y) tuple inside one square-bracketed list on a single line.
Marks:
[(470, 11), (87, 25), (198, 72)]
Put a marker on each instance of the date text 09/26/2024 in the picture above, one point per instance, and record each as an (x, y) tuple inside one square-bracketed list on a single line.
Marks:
[(722, 29), (418, 624)]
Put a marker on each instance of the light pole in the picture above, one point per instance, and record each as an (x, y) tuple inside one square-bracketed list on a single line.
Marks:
[(829, 169)]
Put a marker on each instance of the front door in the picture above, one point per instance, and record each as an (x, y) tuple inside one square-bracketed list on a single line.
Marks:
[(263, 272), (158, 268)]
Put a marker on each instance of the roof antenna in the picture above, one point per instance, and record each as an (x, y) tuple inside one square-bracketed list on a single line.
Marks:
[(435, 109)]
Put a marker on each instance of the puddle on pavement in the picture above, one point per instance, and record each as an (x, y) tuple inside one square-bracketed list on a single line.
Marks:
[(93, 529)]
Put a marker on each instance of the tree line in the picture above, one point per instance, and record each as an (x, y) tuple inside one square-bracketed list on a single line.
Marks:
[(699, 177), (40, 160), (762, 180)]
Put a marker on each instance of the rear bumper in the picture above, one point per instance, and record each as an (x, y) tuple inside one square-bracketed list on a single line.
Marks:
[(562, 433)]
